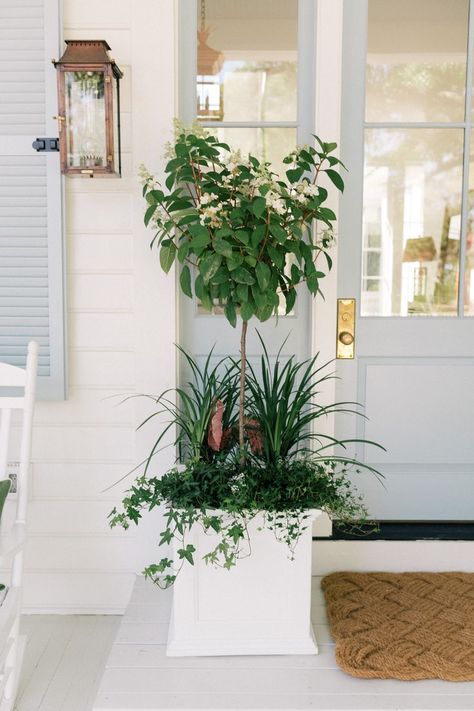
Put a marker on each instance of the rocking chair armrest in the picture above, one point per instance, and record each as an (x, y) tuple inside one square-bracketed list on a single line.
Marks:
[(12, 541)]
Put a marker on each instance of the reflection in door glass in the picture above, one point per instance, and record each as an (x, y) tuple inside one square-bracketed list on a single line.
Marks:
[(268, 144), (412, 196), (246, 60), (416, 60)]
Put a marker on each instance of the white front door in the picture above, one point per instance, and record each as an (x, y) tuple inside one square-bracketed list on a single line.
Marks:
[(257, 95), (406, 252)]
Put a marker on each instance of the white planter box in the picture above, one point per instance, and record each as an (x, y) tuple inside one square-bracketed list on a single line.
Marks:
[(260, 606)]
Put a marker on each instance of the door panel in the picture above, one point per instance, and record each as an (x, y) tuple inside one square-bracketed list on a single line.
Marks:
[(404, 252)]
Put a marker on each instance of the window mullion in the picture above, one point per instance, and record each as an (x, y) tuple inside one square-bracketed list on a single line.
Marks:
[(249, 124), (466, 163)]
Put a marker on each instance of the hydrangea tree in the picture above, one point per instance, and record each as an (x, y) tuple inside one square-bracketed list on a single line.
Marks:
[(243, 237)]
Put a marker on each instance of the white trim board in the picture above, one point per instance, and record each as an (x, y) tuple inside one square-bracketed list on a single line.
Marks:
[(392, 556)]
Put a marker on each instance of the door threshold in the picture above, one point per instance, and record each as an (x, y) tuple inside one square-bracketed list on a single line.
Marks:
[(405, 531)]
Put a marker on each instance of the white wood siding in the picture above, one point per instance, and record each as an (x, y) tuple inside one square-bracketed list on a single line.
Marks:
[(121, 327)]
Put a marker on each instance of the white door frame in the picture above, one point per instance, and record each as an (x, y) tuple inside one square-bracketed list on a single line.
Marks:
[(327, 125)]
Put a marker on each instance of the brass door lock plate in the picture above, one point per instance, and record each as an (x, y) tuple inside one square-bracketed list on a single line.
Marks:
[(345, 344)]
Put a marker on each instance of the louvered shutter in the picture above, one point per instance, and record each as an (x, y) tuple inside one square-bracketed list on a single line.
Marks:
[(31, 263)]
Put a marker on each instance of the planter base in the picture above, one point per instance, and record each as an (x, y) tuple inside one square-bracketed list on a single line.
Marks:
[(212, 648), (261, 606)]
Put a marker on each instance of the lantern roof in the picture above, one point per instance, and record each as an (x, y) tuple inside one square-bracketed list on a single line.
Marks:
[(88, 52), (209, 60)]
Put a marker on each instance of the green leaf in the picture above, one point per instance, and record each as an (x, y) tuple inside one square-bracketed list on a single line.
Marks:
[(167, 255), (278, 232), (312, 283), (242, 236), (259, 206), (178, 205), (198, 230), (209, 266), (295, 274), (224, 290), (257, 235), (221, 276), (169, 182), (278, 258), (187, 553), (199, 287), (336, 179), (306, 156), (183, 250), (224, 232), (149, 214), (174, 164), (247, 310), (262, 271), (222, 247), (241, 275), (185, 281), (326, 214), (200, 242), (264, 313), (187, 219), (154, 196), (259, 297), (234, 262), (206, 299), (294, 174), (242, 291), (290, 298), (230, 313)]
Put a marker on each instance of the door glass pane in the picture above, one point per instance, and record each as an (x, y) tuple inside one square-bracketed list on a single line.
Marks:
[(85, 127), (247, 60), (269, 144), (416, 60), (412, 193)]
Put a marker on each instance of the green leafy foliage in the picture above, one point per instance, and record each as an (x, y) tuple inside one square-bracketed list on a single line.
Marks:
[(187, 410), (288, 469), (223, 501), (283, 399), (231, 221)]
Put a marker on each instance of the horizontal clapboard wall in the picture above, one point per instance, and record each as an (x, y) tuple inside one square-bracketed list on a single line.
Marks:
[(31, 255)]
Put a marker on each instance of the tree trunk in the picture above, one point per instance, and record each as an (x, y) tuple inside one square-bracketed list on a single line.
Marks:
[(243, 362)]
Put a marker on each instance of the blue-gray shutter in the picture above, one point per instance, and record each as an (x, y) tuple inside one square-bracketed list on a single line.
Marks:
[(31, 244)]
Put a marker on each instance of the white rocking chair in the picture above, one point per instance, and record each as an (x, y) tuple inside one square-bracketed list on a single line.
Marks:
[(12, 540)]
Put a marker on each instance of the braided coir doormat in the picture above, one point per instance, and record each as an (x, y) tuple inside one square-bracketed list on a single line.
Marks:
[(403, 626)]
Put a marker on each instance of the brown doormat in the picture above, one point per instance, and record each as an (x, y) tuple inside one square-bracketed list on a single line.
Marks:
[(402, 626)]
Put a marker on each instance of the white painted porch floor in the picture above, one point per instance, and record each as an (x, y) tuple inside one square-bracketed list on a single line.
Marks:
[(139, 676), (64, 661)]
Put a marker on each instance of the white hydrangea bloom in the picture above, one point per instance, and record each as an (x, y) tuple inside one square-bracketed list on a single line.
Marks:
[(274, 202), (159, 217), (212, 215), (146, 177), (206, 198)]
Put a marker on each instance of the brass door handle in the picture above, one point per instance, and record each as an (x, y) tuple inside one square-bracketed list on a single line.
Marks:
[(346, 338), (345, 343)]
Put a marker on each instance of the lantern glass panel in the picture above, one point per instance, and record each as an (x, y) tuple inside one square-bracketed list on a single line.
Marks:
[(116, 127), (85, 119)]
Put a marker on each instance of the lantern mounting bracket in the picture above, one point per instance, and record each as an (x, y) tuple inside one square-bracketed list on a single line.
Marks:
[(46, 144)]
